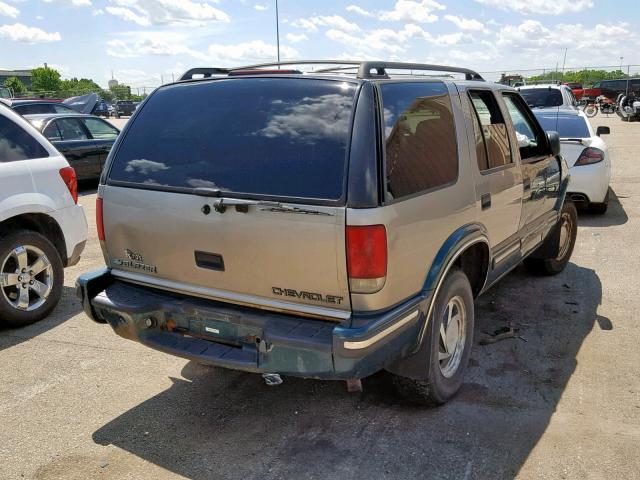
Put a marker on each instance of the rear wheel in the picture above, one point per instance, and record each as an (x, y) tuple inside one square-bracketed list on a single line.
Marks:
[(450, 337), (591, 110), (31, 278), (565, 235)]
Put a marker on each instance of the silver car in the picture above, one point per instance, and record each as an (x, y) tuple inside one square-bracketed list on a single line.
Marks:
[(325, 225)]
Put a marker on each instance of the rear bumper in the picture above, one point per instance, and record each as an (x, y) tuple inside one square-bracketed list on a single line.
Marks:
[(251, 339), (591, 181)]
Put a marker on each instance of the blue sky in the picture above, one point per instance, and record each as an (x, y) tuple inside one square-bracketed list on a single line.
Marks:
[(144, 41)]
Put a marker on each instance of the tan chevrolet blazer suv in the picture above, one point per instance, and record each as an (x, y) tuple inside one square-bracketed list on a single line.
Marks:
[(328, 223)]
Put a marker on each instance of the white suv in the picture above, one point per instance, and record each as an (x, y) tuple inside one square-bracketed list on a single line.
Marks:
[(549, 96), (42, 229)]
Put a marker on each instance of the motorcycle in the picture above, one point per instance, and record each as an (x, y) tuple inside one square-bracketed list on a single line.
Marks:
[(603, 104), (628, 107)]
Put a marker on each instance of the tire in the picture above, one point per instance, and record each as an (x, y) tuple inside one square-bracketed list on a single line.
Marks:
[(445, 375), (44, 287), (591, 110), (568, 230), (600, 208)]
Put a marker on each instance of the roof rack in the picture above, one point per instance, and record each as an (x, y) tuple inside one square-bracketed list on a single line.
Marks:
[(365, 69)]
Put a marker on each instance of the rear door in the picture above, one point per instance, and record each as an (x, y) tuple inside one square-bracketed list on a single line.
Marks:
[(73, 140), (234, 189), (498, 178)]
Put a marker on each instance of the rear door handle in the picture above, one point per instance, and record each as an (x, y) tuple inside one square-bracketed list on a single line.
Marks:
[(485, 201)]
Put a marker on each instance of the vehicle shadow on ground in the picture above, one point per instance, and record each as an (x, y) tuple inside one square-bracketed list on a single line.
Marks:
[(615, 214), (224, 424), (68, 307)]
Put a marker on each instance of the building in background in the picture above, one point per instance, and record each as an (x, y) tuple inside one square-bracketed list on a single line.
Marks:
[(23, 75)]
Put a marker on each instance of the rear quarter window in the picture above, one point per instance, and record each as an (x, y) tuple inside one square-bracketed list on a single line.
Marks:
[(420, 138), (278, 137), (17, 144)]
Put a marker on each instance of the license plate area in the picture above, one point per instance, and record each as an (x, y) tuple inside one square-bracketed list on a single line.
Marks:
[(224, 328)]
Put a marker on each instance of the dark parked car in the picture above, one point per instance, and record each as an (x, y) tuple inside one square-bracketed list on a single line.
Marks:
[(125, 108), (30, 107), (612, 88), (85, 140)]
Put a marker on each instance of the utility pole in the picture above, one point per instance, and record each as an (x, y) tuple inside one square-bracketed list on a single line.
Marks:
[(564, 63), (278, 33)]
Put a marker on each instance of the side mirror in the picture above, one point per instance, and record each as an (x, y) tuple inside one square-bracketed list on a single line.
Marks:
[(603, 131), (554, 143)]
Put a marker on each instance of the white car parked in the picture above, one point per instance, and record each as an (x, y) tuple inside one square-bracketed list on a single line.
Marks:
[(585, 152), (42, 229), (549, 96)]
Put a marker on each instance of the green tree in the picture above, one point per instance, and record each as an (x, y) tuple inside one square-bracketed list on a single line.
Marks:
[(45, 79), (15, 85)]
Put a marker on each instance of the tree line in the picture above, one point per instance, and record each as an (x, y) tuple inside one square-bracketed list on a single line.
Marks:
[(47, 81), (585, 76)]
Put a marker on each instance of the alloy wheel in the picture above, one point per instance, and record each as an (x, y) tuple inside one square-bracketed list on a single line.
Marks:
[(26, 278), (453, 335)]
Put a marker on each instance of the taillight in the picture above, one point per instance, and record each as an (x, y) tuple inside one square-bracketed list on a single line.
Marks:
[(99, 219), (589, 156), (366, 257), (68, 175)]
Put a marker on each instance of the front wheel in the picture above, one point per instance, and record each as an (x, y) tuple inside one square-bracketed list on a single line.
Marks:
[(564, 234), (450, 337), (591, 110), (31, 278)]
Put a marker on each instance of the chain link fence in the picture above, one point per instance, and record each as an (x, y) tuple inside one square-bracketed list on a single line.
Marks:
[(587, 76)]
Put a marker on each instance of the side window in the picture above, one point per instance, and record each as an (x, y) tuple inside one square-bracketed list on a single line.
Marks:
[(100, 130), (18, 144), (71, 129), (531, 139), (52, 133), (420, 137), (492, 130)]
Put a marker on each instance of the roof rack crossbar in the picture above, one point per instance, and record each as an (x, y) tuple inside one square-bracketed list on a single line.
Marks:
[(366, 69), (206, 72)]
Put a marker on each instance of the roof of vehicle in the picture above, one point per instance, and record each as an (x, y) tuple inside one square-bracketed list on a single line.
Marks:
[(364, 70), (29, 101), (563, 112), (543, 86), (50, 116)]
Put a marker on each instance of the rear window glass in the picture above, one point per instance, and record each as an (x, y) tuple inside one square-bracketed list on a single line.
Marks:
[(567, 127), (542, 97), (266, 136)]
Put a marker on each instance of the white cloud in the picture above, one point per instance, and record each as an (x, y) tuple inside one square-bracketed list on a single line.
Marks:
[(295, 38), (540, 7), (74, 3), (97, 11), (256, 50), (166, 12), (137, 44), (413, 11), (381, 42), (8, 10), (128, 15), (468, 24), (332, 21), (359, 11), (260, 8), (22, 33), (172, 43)]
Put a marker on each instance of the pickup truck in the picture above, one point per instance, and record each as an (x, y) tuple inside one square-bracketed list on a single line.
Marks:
[(328, 224)]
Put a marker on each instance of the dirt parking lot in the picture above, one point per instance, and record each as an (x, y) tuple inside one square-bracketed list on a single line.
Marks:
[(78, 402)]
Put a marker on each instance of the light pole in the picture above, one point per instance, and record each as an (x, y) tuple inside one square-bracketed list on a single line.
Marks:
[(278, 33)]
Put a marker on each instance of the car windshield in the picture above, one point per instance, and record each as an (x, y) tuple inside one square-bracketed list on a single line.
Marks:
[(573, 126), (542, 97), (279, 137)]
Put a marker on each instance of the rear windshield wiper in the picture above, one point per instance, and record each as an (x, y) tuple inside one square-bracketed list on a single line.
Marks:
[(242, 205)]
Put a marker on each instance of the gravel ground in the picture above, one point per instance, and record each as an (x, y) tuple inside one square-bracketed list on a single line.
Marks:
[(78, 402)]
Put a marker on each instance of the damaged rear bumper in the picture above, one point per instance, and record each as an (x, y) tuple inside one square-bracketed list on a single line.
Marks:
[(251, 339)]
